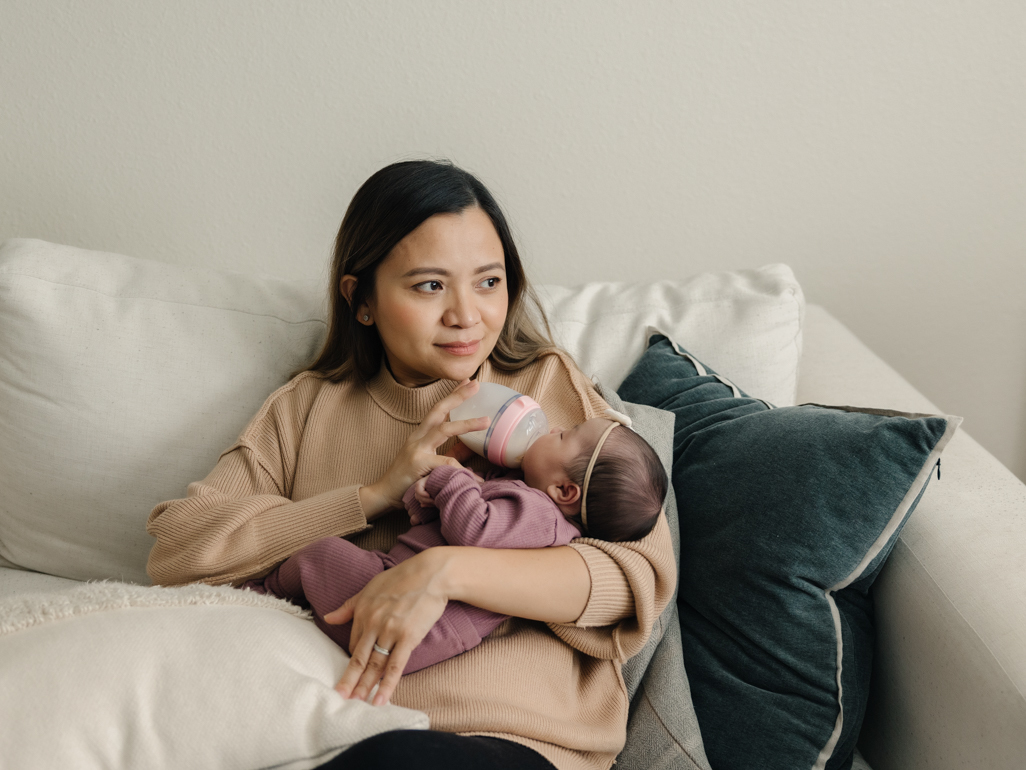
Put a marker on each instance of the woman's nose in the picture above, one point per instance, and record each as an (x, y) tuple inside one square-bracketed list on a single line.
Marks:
[(462, 311)]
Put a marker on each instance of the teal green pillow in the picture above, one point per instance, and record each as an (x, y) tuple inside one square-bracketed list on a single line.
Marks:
[(786, 517)]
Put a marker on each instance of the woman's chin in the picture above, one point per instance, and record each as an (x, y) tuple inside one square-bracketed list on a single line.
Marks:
[(459, 368), (458, 373), (461, 371)]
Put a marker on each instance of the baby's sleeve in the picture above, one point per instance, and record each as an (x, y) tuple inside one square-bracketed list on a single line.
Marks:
[(502, 513)]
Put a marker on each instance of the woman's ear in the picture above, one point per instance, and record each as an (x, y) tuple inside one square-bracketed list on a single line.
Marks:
[(348, 288)]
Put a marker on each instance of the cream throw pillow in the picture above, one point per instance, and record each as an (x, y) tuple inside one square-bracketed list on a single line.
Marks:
[(114, 676)]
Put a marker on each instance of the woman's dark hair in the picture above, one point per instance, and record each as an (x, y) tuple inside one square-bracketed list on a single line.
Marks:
[(390, 205), (626, 489)]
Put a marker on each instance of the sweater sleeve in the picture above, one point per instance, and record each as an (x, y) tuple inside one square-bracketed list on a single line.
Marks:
[(498, 514), (639, 575), (239, 521)]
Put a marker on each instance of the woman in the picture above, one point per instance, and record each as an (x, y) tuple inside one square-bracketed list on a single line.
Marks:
[(427, 292)]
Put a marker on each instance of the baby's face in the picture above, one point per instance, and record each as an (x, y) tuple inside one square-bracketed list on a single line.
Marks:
[(545, 460)]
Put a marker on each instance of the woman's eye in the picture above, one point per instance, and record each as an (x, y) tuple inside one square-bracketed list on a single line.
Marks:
[(429, 286), (490, 283)]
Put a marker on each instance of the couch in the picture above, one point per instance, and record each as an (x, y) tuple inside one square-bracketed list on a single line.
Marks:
[(97, 424)]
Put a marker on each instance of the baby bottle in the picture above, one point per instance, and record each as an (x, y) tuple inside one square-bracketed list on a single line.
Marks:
[(517, 421)]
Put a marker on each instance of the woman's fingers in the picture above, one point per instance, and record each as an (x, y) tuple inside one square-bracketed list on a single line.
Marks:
[(384, 670), (395, 610), (372, 672), (461, 393), (361, 654), (450, 429), (440, 411), (342, 615), (393, 672), (415, 459)]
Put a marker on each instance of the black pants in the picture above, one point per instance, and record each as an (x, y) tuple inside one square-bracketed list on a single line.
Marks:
[(427, 750)]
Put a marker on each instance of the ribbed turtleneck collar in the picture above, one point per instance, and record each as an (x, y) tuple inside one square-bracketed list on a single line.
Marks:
[(408, 404)]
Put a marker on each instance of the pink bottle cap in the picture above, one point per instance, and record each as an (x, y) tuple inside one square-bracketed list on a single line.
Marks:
[(504, 424)]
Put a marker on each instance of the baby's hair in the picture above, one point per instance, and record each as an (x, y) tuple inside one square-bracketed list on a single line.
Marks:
[(626, 489)]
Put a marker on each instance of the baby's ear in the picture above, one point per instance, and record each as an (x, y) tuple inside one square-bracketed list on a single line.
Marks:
[(565, 493)]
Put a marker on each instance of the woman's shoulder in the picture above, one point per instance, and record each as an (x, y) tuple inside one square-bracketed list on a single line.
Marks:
[(288, 406)]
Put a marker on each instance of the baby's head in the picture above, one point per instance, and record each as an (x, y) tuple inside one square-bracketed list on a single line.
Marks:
[(626, 486)]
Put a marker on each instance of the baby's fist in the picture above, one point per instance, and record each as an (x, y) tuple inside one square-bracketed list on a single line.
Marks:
[(424, 511), (421, 494)]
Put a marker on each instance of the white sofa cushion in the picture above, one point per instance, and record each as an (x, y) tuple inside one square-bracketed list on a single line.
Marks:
[(110, 676), (744, 324), (123, 379)]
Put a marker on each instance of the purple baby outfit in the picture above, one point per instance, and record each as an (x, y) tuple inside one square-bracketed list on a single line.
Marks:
[(500, 513)]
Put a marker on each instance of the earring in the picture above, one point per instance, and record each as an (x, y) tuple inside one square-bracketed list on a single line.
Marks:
[(366, 317)]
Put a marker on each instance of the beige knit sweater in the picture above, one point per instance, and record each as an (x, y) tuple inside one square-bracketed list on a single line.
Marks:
[(293, 477)]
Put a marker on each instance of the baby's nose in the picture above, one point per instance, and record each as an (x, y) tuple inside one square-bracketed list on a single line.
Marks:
[(557, 429)]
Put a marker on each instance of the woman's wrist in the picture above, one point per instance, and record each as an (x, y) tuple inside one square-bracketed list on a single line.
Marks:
[(441, 563), (373, 502), (450, 565)]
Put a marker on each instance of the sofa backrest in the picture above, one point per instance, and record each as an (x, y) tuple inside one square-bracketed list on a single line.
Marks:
[(123, 379)]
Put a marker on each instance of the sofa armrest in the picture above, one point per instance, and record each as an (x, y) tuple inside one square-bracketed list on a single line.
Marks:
[(949, 678)]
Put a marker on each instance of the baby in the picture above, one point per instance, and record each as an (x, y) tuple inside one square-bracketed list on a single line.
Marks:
[(607, 484)]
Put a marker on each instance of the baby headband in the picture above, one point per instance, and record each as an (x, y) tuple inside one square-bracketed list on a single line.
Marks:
[(618, 418)]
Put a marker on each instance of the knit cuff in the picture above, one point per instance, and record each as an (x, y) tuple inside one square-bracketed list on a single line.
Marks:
[(336, 513), (611, 599), (349, 511)]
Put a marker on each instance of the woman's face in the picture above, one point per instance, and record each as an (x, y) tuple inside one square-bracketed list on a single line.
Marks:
[(439, 300)]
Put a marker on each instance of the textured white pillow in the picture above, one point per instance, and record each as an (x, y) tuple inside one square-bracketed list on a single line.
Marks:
[(745, 325), (123, 379), (113, 676)]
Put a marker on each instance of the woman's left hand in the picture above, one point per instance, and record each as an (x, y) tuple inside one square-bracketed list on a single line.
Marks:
[(394, 611)]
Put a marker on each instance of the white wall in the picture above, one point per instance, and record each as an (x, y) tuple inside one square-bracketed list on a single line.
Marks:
[(877, 147)]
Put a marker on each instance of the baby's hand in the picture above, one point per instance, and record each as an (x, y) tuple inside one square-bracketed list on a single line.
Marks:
[(421, 495)]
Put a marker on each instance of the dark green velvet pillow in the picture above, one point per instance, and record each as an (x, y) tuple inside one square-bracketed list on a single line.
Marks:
[(786, 517)]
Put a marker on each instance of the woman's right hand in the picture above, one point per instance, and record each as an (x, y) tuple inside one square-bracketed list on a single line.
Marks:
[(394, 611), (417, 458)]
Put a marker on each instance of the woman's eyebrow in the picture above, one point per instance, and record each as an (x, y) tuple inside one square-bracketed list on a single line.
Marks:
[(442, 271)]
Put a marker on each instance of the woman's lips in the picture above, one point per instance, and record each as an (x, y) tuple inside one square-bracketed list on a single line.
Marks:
[(461, 348)]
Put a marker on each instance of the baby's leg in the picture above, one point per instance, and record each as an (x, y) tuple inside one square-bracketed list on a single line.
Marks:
[(322, 576), (461, 628)]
